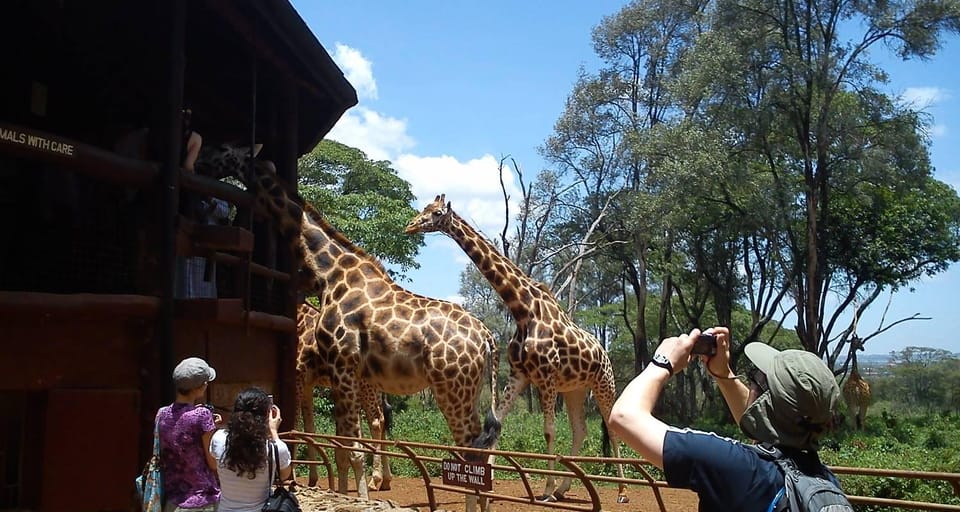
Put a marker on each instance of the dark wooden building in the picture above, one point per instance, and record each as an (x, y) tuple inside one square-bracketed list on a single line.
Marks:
[(91, 233)]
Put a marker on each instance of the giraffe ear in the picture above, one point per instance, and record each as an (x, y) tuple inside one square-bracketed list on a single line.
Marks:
[(448, 205)]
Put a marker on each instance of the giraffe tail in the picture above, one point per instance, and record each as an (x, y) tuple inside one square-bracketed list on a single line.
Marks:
[(605, 444), (490, 434)]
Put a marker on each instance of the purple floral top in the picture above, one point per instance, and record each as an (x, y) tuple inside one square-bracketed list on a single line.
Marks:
[(187, 480)]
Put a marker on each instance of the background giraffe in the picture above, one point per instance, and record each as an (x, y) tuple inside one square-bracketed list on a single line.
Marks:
[(395, 340), (314, 369), (548, 350), (856, 391)]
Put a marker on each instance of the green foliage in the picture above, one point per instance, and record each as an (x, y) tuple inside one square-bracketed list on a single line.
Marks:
[(915, 443), (364, 199)]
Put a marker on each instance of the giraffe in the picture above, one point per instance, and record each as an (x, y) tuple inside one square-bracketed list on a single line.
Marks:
[(856, 391), (313, 369), (548, 349), (380, 333)]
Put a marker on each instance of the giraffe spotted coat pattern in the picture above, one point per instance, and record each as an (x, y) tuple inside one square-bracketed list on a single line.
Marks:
[(380, 333), (548, 349), (314, 369)]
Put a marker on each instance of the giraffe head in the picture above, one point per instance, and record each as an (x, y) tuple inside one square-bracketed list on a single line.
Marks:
[(433, 217), (225, 160)]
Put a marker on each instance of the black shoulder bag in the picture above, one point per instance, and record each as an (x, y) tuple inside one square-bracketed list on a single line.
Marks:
[(281, 499)]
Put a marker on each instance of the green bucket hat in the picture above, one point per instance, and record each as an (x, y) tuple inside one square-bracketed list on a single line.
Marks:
[(798, 408)]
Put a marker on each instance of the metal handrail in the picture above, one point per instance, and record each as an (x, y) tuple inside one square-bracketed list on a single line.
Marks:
[(410, 450)]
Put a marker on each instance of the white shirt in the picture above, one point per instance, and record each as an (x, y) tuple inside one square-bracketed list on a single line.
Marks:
[(241, 493)]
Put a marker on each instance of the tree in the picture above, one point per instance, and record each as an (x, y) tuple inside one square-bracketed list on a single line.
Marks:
[(829, 122), (363, 198), (923, 375)]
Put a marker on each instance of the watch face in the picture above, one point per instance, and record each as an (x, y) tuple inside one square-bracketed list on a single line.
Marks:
[(662, 361)]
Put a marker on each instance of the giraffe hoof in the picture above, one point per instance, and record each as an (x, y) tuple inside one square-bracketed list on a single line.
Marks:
[(547, 498), (623, 499)]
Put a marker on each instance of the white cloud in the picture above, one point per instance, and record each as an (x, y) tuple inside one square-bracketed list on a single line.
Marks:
[(473, 187), (938, 130), (923, 97), (357, 69), (380, 137)]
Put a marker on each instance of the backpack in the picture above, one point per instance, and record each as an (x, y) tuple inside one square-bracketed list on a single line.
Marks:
[(804, 492)]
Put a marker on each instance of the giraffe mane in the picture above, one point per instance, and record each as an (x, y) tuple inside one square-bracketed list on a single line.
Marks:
[(342, 239)]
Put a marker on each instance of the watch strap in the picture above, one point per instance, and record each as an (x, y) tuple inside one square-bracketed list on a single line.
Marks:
[(662, 362)]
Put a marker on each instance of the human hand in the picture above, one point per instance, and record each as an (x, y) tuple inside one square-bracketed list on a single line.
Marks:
[(273, 421), (719, 364), (217, 419), (677, 349)]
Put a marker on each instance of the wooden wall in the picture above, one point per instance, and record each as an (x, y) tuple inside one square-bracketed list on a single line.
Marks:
[(82, 383)]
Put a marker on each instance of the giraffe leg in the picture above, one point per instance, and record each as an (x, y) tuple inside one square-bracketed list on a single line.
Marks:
[(370, 400), (383, 460), (310, 426), (861, 416), (515, 386), (605, 398), (463, 420), (574, 402), (347, 414), (548, 402)]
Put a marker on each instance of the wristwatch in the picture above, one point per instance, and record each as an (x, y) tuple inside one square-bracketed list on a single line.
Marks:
[(662, 361)]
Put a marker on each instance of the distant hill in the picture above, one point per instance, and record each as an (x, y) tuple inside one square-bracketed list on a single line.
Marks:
[(873, 359), (877, 360)]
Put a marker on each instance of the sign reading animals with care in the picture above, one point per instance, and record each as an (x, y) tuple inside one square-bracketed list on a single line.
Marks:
[(38, 142), (473, 475)]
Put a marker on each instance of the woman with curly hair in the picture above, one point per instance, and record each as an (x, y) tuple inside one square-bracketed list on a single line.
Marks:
[(242, 452)]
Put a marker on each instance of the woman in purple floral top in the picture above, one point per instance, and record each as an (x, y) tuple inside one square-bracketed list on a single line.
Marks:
[(189, 471)]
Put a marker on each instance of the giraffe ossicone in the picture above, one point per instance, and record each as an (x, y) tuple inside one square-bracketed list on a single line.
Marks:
[(549, 350)]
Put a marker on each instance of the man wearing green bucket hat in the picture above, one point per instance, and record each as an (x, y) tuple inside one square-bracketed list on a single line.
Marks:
[(788, 403)]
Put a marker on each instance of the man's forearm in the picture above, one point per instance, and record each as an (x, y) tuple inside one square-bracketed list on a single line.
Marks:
[(736, 394)]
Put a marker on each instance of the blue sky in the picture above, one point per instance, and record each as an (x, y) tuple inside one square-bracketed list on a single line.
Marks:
[(448, 88)]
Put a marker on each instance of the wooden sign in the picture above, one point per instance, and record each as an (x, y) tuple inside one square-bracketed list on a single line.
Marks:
[(473, 475), (36, 142)]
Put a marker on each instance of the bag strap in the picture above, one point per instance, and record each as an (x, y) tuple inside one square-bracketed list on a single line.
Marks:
[(273, 457), (789, 468), (276, 459), (269, 467), (156, 435)]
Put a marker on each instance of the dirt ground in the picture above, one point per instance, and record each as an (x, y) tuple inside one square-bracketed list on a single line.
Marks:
[(410, 493)]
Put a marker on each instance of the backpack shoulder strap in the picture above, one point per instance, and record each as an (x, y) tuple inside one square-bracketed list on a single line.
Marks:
[(771, 453)]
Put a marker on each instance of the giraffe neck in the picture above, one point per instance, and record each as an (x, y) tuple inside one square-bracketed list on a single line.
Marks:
[(330, 256), (516, 289), (322, 253)]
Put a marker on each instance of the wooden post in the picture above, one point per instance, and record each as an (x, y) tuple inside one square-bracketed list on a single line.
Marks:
[(286, 164), (171, 136)]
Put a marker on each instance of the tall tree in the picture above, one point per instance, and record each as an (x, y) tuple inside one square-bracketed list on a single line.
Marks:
[(811, 59), (363, 198)]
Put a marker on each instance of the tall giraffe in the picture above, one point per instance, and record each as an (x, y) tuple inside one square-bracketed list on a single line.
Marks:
[(548, 350), (394, 340), (314, 369), (856, 391)]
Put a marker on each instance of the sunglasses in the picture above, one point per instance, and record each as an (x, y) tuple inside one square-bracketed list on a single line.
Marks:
[(758, 379)]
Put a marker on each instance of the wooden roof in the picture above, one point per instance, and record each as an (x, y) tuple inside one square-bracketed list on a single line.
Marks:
[(98, 67)]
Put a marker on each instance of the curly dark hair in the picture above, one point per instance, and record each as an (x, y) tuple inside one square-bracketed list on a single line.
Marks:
[(246, 448)]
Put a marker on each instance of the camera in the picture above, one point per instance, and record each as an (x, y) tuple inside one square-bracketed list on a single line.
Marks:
[(706, 344)]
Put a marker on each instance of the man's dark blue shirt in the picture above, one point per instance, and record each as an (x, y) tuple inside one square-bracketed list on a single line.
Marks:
[(727, 475)]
